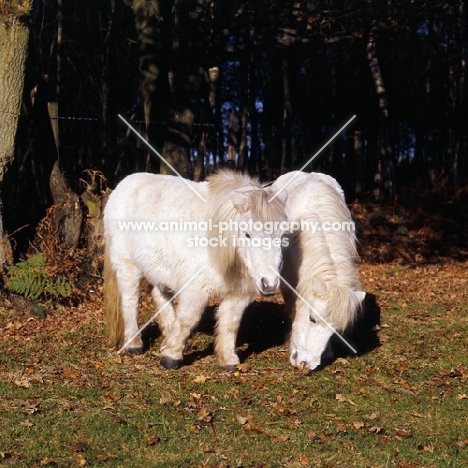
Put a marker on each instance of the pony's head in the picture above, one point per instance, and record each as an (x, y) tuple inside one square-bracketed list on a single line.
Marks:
[(251, 225), (257, 236), (315, 323)]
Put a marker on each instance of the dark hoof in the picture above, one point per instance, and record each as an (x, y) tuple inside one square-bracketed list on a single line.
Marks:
[(170, 363), (135, 351), (230, 367)]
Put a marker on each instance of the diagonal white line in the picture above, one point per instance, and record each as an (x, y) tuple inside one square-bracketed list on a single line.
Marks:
[(331, 327), (161, 157), (160, 310), (313, 157)]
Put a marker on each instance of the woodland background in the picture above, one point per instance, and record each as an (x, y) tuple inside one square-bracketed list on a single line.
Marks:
[(258, 86)]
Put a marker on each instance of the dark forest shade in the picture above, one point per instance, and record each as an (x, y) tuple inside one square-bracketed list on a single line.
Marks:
[(258, 86)]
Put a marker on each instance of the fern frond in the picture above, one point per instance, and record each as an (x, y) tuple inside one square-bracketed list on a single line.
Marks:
[(31, 280)]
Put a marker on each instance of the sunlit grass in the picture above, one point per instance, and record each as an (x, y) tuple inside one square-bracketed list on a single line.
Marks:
[(66, 400)]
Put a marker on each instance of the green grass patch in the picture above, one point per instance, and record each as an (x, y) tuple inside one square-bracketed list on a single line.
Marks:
[(66, 400)]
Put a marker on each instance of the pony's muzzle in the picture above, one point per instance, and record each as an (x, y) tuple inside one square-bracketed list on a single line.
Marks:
[(269, 286)]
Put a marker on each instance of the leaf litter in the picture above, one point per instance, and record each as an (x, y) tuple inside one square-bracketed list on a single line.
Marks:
[(66, 349)]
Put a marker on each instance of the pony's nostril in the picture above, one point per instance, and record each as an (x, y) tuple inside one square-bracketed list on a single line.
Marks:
[(269, 287)]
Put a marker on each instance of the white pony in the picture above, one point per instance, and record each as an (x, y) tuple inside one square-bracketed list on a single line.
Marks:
[(176, 243), (319, 264)]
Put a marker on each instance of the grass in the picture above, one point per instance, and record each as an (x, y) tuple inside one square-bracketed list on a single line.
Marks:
[(66, 400)]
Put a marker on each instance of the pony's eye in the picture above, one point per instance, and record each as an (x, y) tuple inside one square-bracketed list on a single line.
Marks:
[(247, 235), (312, 319)]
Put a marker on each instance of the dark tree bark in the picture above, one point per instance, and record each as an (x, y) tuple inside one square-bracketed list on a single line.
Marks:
[(148, 23), (384, 180), (287, 121), (358, 186), (14, 39), (67, 215)]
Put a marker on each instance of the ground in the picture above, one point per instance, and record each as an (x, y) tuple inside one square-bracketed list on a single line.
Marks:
[(69, 400)]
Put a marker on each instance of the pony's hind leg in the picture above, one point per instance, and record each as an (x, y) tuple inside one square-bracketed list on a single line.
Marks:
[(189, 312), (129, 279), (229, 316), (164, 309)]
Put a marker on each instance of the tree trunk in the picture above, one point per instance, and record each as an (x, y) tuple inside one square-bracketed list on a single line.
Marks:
[(232, 141), (253, 165), (184, 85), (67, 215), (14, 38), (199, 169), (148, 21), (287, 121), (242, 161), (358, 187), (384, 178), (176, 148)]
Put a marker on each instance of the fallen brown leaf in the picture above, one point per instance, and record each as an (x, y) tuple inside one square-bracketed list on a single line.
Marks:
[(376, 429), (70, 373), (154, 440), (462, 443), (81, 461), (402, 432), (341, 427), (425, 447), (243, 368), (27, 423), (102, 458), (25, 383), (48, 461), (117, 419), (79, 447), (241, 419), (204, 415), (343, 399)]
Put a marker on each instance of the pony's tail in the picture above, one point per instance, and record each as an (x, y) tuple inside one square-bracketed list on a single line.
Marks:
[(114, 322)]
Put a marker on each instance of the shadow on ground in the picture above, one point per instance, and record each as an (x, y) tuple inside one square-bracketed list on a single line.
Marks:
[(265, 325), (363, 337)]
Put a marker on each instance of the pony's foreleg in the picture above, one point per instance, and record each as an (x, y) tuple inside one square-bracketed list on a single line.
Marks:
[(128, 279), (189, 312), (164, 309), (229, 316)]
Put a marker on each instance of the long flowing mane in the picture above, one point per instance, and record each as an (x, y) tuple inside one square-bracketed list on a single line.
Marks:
[(221, 209), (331, 273)]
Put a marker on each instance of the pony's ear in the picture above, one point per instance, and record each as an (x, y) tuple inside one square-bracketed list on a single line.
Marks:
[(240, 200), (280, 195), (360, 295)]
